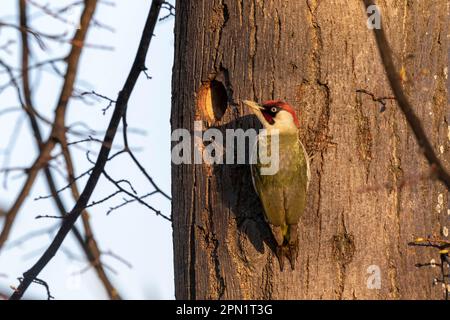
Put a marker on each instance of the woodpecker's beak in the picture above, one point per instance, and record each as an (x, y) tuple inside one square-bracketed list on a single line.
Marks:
[(256, 108)]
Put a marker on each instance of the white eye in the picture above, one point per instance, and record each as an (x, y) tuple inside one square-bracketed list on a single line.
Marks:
[(274, 109)]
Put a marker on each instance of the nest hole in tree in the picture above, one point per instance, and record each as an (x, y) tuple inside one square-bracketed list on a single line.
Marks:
[(212, 101)]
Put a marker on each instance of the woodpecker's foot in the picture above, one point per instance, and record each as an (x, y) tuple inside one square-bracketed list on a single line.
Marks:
[(279, 252)]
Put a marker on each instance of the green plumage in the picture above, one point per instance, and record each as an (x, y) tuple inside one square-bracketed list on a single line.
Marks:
[(283, 195)]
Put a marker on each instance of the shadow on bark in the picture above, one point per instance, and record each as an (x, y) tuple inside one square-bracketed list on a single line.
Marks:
[(238, 194)]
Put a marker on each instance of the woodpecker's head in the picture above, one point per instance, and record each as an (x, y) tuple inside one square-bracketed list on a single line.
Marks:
[(275, 114)]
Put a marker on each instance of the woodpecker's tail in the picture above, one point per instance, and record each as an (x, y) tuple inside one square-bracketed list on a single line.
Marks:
[(287, 244)]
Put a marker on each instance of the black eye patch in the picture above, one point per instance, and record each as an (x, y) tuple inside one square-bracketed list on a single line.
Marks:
[(271, 110)]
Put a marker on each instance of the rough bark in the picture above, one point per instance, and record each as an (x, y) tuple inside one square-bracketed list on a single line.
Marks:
[(366, 198)]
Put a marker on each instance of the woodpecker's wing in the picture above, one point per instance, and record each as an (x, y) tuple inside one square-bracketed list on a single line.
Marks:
[(253, 158), (270, 194), (282, 194)]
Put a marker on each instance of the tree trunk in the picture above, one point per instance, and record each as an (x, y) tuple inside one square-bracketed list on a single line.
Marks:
[(368, 197)]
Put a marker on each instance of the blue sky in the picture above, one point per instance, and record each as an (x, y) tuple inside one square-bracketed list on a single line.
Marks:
[(132, 232)]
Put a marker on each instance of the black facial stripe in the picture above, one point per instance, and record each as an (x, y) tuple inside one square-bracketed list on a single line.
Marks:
[(271, 110)]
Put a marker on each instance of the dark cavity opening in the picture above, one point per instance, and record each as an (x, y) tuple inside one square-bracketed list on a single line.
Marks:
[(212, 101)]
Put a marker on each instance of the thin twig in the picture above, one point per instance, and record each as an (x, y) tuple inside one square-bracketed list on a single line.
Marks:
[(119, 110), (136, 161), (134, 196), (58, 125), (89, 245)]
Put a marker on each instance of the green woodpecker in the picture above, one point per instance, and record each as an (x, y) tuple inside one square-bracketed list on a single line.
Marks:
[(283, 193)]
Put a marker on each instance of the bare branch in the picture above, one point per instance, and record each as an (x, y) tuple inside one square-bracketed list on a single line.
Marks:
[(110, 101), (128, 201), (118, 258), (6, 45), (171, 11), (89, 246), (119, 110), (44, 284), (60, 111), (444, 265), (30, 235), (134, 196), (136, 161)]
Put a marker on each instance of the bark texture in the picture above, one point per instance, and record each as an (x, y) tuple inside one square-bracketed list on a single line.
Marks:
[(366, 198)]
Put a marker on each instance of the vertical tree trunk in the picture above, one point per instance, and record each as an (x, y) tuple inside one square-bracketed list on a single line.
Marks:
[(366, 198)]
